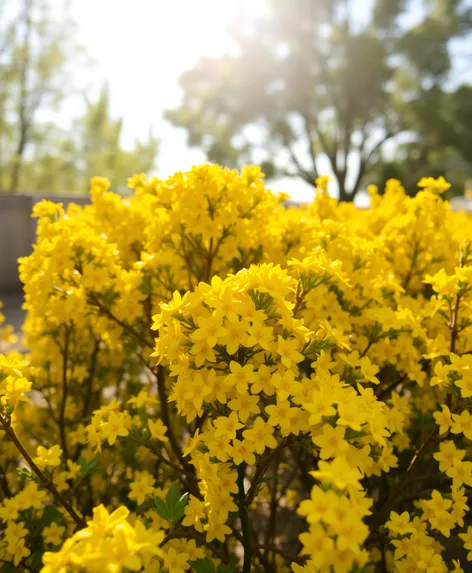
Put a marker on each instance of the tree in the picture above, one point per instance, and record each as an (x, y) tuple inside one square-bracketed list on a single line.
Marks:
[(101, 150), (37, 54), (439, 147), (92, 147), (39, 61), (311, 78)]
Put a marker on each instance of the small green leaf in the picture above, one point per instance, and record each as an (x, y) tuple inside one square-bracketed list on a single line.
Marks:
[(178, 509), (269, 478), (203, 565), (162, 509), (50, 514), (89, 467), (173, 508), (229, 567), (36, 560), (173, 495), (25, 473)]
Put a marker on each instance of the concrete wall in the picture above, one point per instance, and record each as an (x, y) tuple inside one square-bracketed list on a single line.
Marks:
[(17, 233)]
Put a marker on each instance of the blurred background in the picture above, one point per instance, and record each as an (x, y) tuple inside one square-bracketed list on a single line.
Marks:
[(362, 90)]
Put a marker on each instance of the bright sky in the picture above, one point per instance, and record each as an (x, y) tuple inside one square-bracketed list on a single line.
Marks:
[(140, 47)]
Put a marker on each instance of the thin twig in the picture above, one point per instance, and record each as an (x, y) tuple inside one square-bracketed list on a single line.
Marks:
[(46, 483), (123, 324)]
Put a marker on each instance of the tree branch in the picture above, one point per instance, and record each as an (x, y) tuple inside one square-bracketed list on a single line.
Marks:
[(46, 483)]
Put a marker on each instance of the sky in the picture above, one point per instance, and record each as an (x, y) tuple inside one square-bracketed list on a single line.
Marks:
[(140, 47)]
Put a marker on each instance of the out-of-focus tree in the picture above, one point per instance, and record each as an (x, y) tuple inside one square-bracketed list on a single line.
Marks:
[(42, 66), (92, 147), (313, 78), (440, 141), (101, 150), (37, 57)]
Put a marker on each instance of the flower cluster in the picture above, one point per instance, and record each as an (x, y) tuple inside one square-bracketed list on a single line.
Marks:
[(217, 383)]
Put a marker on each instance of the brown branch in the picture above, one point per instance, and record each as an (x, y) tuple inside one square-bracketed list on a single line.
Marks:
[(45, 482), (189, 534), (382, 513), (414, 256), (383, 392), (161, 390), (453, 323), (310, 140), (4, 482), (299, 299), (308, 177), (124, 325), (282, 553), (65, 391), (167, 461), (91, 378), (210, 257), (262, 467)]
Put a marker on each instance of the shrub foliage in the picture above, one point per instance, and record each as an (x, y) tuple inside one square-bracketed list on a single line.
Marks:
[(217, 383)]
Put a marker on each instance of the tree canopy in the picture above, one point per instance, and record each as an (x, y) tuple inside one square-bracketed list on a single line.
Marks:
[(326, 78), (42, 66)]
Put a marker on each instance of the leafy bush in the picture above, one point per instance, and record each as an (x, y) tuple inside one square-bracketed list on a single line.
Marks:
[(215, 382)]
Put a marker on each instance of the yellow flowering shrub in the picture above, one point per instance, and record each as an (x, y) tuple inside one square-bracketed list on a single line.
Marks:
[(216, 383)]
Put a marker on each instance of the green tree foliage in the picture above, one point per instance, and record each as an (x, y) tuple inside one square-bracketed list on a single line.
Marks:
[(92, 147), (313, 78), (42, 67), (37, 54), (440, 140)]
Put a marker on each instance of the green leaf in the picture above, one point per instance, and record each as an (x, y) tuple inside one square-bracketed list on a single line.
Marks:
[(25, 473), (203, 565), (269, 478), (37, 560), (175, 503), (162, 508), (89, 467), (50, 514), (178, 509), (173, 495), (229, 567)]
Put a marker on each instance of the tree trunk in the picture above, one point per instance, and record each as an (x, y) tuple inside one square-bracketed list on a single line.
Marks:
[(24, 119), (344, 196)]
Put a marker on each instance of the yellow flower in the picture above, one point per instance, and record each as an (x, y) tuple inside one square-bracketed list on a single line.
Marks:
[(331, 441), (400, 524), (462, 423), (209, 330), (48, 457), (243, 451), (15, 531), (17, 551), (467, 538), (53, 533), (448, 454), (438, 186), (114, 426), (176, 562), (245, 406), (158, 430), (338, 472), (261, 435), (103, 522), (443, 419)]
